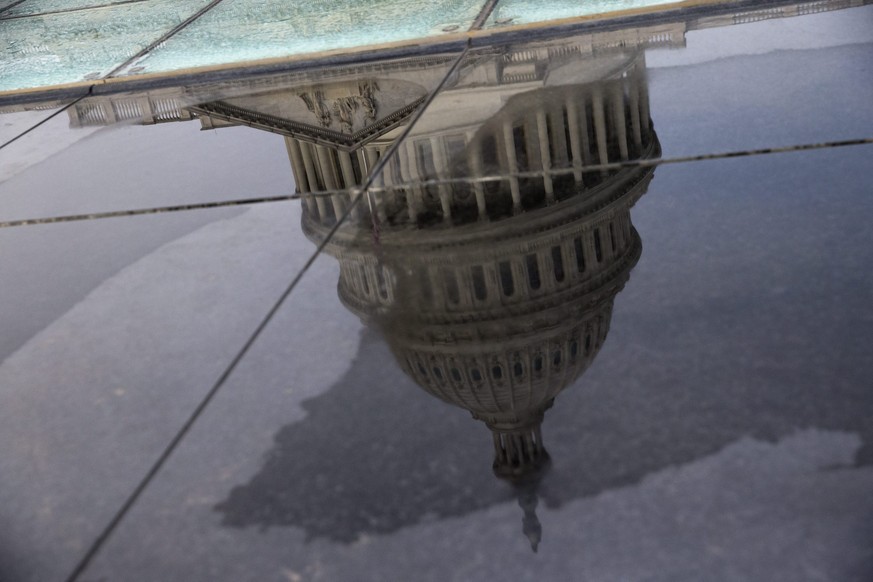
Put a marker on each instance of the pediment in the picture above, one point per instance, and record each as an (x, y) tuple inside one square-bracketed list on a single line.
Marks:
[(345, 115)]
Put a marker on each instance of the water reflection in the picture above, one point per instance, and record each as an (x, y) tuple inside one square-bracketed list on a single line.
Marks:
[(496, 300), (455, 264), (496, 296), (488, 255)]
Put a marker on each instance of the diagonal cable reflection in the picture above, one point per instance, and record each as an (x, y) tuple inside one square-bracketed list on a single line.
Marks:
[(11, 6), (435, 182), (146, 50), (101, 539), (64, 10), (163, 38), (48, 118)]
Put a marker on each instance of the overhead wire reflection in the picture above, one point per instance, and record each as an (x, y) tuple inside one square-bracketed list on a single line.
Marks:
[(432, 182), (101, 539)]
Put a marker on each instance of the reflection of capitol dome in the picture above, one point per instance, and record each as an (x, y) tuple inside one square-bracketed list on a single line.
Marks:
[(496, 295), (500, 323)]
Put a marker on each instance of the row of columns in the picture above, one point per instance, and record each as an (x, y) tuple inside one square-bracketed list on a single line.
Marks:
[(573, 134), (599, 124), (319, 169)]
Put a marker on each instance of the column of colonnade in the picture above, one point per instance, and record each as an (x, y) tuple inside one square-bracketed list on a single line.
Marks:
[(537, 155), (596, 124), (327, 176)]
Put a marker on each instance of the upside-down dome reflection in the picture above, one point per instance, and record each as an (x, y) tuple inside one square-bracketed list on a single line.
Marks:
[(491, 257), (488, 252)]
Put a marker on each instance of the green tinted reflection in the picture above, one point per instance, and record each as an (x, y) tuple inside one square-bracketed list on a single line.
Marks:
[(242, 30), (88, 44), (526, 11), (43, 6)]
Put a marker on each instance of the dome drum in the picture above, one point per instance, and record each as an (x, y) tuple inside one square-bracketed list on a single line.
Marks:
[(499, 379), (477, 285)]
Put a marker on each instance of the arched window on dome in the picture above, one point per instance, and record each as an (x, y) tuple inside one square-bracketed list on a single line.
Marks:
[(557, 357), (588, 343), (598, 249), (476, 375), (497, 372), (533, 271), (574, 349), (612, 239), (538, 365), (438, 374), (480, 290), (558, 263), (580, 254), (518, 369), (452, 291), (456, 374), (506, 282)]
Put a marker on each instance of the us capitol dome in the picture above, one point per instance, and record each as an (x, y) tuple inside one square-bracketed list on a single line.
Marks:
[(490, 256)]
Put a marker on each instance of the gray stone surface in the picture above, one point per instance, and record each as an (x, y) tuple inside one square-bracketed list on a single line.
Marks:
[(50, 268), (722, 433)]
